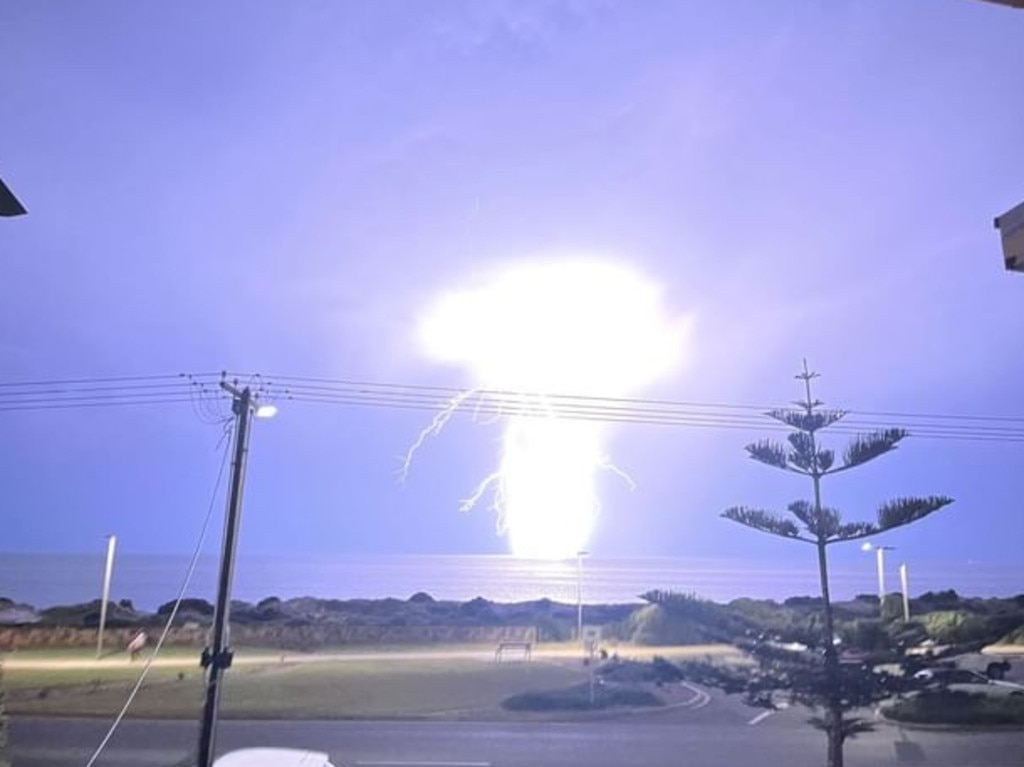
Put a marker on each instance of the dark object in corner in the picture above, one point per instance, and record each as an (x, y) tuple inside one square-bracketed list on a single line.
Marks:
[(9, 205)]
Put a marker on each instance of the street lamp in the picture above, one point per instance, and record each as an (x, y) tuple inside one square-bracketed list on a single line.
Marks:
[(579, 596), (880, 558)]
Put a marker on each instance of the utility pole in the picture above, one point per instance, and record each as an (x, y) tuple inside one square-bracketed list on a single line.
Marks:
[(107, 573), (217, 658)]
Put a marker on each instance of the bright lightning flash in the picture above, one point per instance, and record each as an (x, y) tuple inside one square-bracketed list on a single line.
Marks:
[(578, 326)]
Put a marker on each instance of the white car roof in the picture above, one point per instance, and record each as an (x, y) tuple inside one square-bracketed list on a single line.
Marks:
[(273, 757)]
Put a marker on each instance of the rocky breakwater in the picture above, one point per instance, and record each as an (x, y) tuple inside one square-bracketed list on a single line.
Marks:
[(303, 623)]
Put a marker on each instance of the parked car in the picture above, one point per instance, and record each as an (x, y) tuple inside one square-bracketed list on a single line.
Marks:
[(273, 757), (992, 666)]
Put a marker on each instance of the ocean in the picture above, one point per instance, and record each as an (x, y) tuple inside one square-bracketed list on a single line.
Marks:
[(150, 580)]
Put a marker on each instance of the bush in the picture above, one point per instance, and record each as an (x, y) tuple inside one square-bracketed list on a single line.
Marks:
[(958, 707), (659, 671), (654, 625), (577, 698), (1015, 637), (865, 634), (959, 627), (551, 630)]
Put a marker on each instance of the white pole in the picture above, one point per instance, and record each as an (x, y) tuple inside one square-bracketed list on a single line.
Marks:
[(880, 557), (579, 597), (107, 573), (906, 593)]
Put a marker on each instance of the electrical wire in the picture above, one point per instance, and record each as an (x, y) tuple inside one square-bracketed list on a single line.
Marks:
[(174, 611), (678, 419), (94, 380), (203, 391)]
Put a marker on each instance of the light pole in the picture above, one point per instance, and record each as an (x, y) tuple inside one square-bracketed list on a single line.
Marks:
[(108, 571), (880, 559), (579, 597), (905, 585), (217, 658)]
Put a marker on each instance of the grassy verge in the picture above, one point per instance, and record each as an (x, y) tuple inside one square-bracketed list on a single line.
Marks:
[(322, 690), (368, 681), (958, 708)]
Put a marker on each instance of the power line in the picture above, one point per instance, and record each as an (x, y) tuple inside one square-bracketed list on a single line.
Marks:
[(203, 391), (97, 380), (683, 420)]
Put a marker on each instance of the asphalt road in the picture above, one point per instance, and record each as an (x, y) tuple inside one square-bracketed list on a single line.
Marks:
[(723, 733)]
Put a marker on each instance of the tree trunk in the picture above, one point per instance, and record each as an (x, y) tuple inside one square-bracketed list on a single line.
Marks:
[(834, 717), (833, 708)]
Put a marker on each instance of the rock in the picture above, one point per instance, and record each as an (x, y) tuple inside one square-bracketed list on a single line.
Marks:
[(17, 615), (188, 605)]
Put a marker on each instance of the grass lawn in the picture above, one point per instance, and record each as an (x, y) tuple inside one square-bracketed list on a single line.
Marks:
[(324, 689), (367, 681)]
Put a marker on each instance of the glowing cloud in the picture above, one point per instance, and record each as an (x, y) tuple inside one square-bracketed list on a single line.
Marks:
[(577, 326)]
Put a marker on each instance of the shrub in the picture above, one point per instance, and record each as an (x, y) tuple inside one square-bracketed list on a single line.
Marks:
[(959, 627), (577, 698), (654, 625), (1015, 637), (958, 707)]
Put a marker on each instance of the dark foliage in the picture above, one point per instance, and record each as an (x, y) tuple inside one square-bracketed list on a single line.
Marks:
[(577, 698)]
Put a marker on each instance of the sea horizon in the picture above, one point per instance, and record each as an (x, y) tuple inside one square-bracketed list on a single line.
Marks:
[(150, 580)]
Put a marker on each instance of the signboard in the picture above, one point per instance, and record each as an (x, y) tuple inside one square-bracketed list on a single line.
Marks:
[(1011, 229)]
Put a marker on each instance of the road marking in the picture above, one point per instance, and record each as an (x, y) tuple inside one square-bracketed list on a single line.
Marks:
[(417, 763), (761, 717), (699, 699)]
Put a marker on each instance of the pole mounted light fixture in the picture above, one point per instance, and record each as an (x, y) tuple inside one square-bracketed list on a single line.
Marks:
[(880, 559)]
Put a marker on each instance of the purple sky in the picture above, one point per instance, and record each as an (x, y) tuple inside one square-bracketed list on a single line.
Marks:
[(282, 187)]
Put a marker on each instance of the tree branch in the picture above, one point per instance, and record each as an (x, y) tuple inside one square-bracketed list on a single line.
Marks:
[(867, 447), (765, 521), (903, 511), (807, 422), (771, 453)]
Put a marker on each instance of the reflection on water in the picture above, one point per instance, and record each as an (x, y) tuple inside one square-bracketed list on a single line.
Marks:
[(152, 580)]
